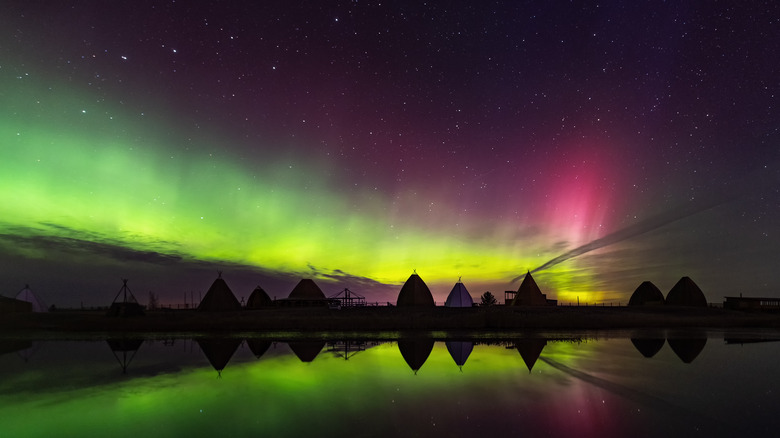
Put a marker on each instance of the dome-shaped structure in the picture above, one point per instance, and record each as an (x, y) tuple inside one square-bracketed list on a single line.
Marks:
[(415, 293), (459, 296), (306, 289), (647, 294), (258, 299), (686, 293), (529, 294), (219, 297)]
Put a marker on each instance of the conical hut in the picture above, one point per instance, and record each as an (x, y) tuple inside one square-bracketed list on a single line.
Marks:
[(686, 293), (647, 294), (219, 297), (259, 299), (124, 303), (459, 296), (415, 293), (306, 289), (529, 294), (28, 295)]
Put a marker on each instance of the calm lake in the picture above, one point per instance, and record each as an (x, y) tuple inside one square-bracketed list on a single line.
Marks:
[(594, 384)]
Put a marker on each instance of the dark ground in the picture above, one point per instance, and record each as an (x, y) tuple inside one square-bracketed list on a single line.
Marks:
[(390, 318)]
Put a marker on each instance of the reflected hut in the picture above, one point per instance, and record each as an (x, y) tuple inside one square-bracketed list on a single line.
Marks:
[(689, 347), (28, 295), (259, 299), (686, 293), (219, 297), (460, 351), (529, 294), (258, 347), (218, 351), (306, 351), (124, 350), (415, 351), (530, 350), (649, 347), (128, 306), (647, 294), (415, 293), (459, 296)]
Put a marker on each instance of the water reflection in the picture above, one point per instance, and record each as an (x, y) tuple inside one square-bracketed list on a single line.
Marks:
[(218, 351), (687, 345), (307, 351), (530, 350), (579, 384), (460, 351), (124, 350), (415, 351)]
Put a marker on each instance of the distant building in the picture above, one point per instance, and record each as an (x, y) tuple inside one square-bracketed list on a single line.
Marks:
[(751, 303)]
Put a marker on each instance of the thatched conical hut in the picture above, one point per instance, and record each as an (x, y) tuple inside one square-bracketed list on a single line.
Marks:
[(306, 289), (415, 293), (686, 293), (259, 299), (529, 294), (219, 297), (647, 294)]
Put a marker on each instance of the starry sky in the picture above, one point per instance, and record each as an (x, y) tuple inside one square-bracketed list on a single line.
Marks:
[(596, 144)]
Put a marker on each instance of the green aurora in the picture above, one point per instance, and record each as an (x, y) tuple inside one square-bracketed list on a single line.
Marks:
[(76, 167)]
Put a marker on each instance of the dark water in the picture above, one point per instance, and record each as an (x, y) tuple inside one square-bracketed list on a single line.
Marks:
[(607, 384)]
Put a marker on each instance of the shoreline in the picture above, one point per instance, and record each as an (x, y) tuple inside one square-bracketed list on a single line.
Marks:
[(372, 319)]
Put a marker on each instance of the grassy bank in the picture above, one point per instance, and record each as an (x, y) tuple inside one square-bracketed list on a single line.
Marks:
[(391, 318)]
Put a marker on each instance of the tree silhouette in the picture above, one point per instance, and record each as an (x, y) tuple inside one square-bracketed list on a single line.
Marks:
[(488, 299)]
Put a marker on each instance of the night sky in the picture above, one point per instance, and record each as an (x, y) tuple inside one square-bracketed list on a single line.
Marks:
[(354, 142)]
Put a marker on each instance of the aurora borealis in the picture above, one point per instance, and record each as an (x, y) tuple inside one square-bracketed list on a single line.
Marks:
[(354, 142)]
